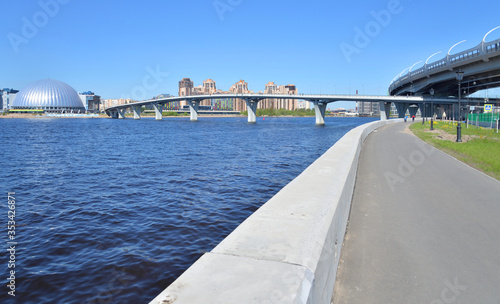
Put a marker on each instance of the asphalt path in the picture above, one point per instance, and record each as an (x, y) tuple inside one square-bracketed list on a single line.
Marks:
[(424, 227)]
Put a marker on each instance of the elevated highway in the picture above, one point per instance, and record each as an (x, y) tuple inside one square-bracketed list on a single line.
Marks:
[(480, 64)]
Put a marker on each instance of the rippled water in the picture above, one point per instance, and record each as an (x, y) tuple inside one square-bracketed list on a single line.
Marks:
[(113, 211)]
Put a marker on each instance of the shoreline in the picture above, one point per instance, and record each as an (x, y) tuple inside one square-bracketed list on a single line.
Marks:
[(34, 116)]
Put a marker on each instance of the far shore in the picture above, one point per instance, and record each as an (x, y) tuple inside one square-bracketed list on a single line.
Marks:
[(25, 115)]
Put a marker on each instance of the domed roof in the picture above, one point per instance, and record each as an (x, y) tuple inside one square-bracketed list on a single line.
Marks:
[(48, 94)]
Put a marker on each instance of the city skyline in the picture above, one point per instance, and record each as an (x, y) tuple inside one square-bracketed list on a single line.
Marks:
[(321, 47), (209, 87)]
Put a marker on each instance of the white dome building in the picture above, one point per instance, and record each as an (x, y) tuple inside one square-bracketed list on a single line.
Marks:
[(49, 95)]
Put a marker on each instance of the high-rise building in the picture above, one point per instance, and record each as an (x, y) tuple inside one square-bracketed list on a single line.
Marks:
[(241, 87), (282, 103), (107, 103), (7, 97), (90, 101), (269, 103), (185, 89), (368, 108), (208, 88), (288, 104)]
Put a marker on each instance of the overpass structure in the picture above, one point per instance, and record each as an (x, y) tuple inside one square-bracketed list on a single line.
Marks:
[(480, 64), (320, 102)]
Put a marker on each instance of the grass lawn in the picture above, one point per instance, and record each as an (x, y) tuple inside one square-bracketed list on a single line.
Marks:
[(480, 149)]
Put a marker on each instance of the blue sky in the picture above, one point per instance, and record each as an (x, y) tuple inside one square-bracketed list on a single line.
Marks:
[(112, 47)]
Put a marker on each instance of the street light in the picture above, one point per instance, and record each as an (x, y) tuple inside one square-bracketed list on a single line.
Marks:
[(460, 76), (423, 114), (432, 108)]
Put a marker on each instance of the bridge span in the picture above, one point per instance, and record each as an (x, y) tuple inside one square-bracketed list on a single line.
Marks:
[(320, 102)]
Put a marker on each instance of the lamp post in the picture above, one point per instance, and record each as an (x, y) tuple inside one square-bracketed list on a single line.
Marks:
[(423, 114), (432, 108), (460, 76)]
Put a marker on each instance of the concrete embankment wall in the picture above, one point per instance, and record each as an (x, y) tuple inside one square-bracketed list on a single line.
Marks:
[(288, 250)]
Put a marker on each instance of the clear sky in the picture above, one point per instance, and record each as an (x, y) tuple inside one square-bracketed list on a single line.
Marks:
[(121, 49)]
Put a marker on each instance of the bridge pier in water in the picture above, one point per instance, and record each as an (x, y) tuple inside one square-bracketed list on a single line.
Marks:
[(252, 110), (193, 109), (158, 111), (121, 113), (320, 109), (137, 112), (385, 110)]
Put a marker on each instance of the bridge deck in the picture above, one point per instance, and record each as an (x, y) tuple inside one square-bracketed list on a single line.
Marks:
[(434, 237)]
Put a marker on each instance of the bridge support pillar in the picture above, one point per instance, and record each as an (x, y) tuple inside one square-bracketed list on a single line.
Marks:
[(137, 112), (121, 113), (158, 111), (385, 110), (438, 111), (252, 110), (413, 110), (319, 109), (193, 109), (113, 114), (402, 108), (423, 110)]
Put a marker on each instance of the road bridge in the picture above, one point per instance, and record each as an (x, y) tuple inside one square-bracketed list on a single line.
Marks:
[(320, 103)]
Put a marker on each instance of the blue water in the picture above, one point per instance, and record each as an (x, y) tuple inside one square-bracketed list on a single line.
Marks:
[(113, 211)]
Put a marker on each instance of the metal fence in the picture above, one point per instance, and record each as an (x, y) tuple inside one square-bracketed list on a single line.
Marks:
[(488, 120)]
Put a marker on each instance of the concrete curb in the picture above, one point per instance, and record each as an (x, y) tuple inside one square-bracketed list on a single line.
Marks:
[(289, 249)]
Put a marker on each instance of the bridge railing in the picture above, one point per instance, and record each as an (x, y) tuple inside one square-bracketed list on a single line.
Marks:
[(472, 54)]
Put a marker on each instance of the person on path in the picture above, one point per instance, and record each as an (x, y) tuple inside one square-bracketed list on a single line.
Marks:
[(413, 118), (406, 117)]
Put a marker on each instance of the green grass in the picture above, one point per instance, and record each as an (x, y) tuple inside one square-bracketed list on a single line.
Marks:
[(481, 152), (174, 114)]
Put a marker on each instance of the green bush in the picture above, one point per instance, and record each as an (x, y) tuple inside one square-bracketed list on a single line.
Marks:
[(169, 114)]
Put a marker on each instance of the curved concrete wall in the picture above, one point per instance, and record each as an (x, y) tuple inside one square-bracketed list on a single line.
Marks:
[(288, 250)]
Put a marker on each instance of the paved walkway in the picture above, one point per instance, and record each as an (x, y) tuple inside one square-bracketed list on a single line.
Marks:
[(424, 227)]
